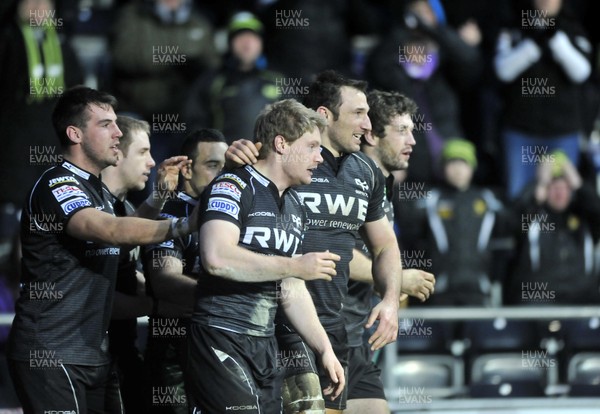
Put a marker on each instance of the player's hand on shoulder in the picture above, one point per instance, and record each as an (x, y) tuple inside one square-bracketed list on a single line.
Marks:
[(241, 152), (167, 173)]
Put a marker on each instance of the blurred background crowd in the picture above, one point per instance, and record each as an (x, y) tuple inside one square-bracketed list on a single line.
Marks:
[(501, 198), (500, 201)]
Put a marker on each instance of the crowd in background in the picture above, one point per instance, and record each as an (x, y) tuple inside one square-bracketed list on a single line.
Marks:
[(509, 89)]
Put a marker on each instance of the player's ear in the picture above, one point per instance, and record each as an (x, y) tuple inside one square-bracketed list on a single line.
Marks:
[(370, 139), (75, 134), (279, 143), (186, 171), (325, 112)]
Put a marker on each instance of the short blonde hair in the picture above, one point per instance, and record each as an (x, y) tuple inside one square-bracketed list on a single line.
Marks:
[(288, 118)]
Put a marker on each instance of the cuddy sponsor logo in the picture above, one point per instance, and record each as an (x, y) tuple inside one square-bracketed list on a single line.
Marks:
[(74, 204), (224, 206)]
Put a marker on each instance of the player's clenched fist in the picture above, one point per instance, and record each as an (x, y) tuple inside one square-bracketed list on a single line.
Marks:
[(316, 265)]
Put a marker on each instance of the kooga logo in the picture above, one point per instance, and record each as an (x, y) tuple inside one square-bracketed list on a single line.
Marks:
[(59, 412), (241, 407)]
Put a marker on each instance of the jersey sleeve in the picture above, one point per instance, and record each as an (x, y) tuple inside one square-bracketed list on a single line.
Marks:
[(375, 210), (58, 199), (226, 198)]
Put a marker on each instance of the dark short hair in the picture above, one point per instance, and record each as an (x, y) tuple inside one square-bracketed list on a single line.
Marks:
[(71, 109), (191, 141), (383, 106), (326, 91), (128, 125), (288, 118)]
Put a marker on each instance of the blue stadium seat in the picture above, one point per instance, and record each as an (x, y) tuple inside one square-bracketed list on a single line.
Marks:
[(581, 334), (439, 376), (422, 336), (584, 374), (509, 375), (500, 335)]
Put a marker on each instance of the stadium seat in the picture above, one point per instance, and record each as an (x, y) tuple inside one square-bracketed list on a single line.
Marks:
[(581, 334), (500, 335), (424, 361), (421, 336), (509, 375), (584, 374), (439, 376)]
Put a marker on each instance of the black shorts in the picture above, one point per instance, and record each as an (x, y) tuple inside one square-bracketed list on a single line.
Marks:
[(363, 375), (229, 372), (164, 361), (68, 388)]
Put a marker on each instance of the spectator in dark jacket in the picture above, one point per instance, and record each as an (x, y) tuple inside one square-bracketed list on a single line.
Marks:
[(542, 61), (158, 48), (305, 37), (457, 223), (431, 63), (557, 225), (229, 99)]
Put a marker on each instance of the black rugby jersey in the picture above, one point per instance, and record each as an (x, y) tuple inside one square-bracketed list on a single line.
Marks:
[(344, 194), (270, 225), (357, 304), (67, 284)]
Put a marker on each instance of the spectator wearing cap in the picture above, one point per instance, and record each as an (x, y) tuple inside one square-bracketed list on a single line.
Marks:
[(230, 98), (455, 225), (557, 225)]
